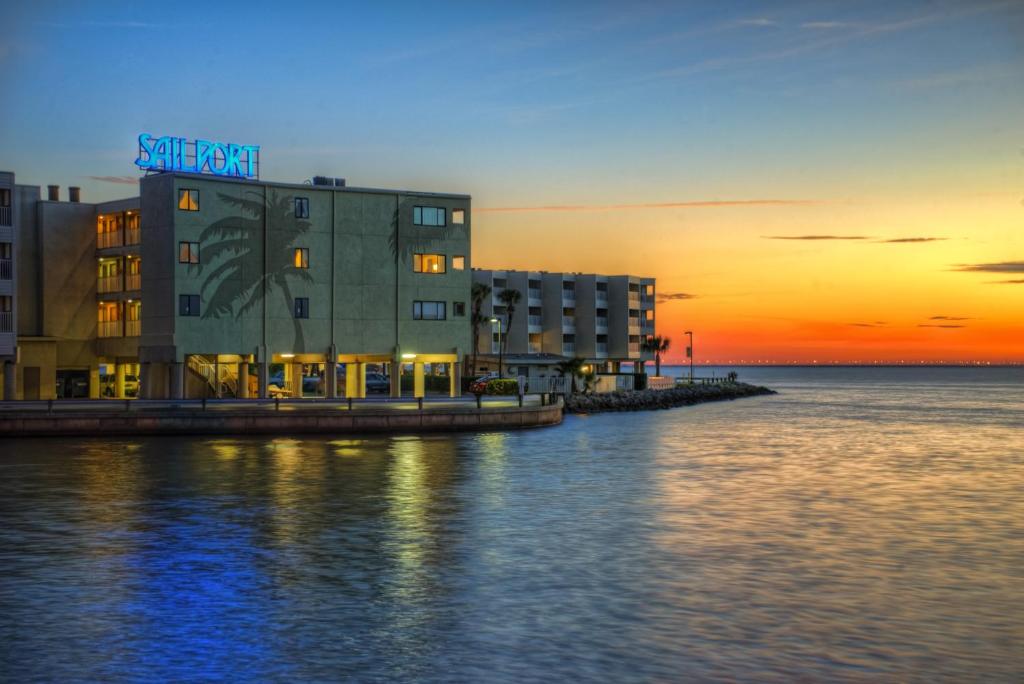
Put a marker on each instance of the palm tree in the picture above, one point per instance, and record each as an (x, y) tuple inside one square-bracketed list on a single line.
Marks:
[(573, 368), (658, 345), (479, 295), (509, 297)]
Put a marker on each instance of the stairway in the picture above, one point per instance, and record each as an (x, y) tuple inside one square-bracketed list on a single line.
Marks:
[(224, 375)]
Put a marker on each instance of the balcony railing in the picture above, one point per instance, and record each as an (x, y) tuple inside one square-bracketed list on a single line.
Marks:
[(602, 347), (6, 269), (534, 293), (5, 216), (109, 284), (132, 328), (634, 322), (601, 322), (535, 320), (534, 348), (634, 347), (568, 347), (111, 239), (132, 236), (568, 321), (494, 347), (6, 321), (109, 329), (133, 281), (569, 295), (602, 295)]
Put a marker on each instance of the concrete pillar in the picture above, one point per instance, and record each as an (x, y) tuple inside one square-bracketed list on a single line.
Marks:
[(177, 380), (352, 380), (263, 369), (396, 377), (10, 381), (216, 377), (145, 385), (455, 372), (361, 380), (296, 379), (119, 380), (243, 380), (94, 382), (331, 378), (417, 379)]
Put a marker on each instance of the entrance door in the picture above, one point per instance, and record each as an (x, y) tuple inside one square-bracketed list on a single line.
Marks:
[(30, 382)]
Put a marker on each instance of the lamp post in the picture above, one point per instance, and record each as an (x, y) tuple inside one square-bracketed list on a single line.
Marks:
[(498, 321), (689, 353)]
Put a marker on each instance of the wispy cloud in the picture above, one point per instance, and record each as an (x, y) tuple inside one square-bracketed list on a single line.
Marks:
[(814, 237), (655, 205), (1008, 282), (908, 240), (758, 21), (941, 325), (123, 180), (950, 318), (823, 24), (674, 296), (876, 324), (996, 267)]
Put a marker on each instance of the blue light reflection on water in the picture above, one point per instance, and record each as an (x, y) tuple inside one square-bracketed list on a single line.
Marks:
[(843, 530)]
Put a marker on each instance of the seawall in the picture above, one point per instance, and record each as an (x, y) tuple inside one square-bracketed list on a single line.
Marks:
[(661, 399), (243, 421)]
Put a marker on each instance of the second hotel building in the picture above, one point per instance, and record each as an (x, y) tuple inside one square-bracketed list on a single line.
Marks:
[(243, 275)]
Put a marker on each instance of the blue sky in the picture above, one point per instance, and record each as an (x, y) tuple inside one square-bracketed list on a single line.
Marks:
[(525, 103)]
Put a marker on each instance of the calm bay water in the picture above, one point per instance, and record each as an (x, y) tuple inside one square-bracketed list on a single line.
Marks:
[(863, 525)]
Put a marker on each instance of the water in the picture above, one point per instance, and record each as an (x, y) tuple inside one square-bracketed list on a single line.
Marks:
[(863, 525)]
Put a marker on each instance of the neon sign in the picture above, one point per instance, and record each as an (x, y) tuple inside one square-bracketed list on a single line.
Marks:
[(198, 156)]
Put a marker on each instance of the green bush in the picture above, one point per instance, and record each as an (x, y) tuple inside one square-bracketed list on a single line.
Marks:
[(505, 387), (431, 383)]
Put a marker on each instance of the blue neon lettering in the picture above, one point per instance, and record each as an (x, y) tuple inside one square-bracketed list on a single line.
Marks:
[(172, 154)]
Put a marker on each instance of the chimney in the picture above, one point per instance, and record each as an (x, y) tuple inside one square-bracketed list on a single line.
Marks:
[(54, 193), (74, 194)]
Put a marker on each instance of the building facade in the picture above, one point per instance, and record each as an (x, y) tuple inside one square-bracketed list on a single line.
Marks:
[(249, 289), (599, 318)]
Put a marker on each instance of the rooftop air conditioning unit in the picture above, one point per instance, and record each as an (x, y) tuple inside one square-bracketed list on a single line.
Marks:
[(327, 180)]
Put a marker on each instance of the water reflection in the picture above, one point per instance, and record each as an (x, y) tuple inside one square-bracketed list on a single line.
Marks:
[(818, 534)]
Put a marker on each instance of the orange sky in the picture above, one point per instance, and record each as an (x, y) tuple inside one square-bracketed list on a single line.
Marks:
[(879, 281)]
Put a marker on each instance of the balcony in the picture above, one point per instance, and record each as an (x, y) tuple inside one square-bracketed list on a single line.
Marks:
[(568, 322), (534, 348), (133, 281), (602, 296), (108, 284), (5, 216), (601, 322), (602, 348), (535, 320), (109, 329), (132, 236), (533, 293), (568, 295), (6, 269), (634, 347), (568, 348), (109, 239), (6, 321), (132, 328)]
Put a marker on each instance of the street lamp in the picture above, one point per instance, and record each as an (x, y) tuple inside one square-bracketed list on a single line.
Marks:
[(498, 321), (689, 353)]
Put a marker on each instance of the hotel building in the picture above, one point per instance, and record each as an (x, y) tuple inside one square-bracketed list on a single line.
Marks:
[(600, 318), (209, 286)]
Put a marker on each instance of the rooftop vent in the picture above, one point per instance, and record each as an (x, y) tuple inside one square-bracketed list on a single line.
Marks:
[(74, 194), (53, 193), (327, 180)]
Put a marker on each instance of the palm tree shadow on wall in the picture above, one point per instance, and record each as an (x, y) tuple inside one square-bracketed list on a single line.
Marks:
[(236, 287), (421, 238)]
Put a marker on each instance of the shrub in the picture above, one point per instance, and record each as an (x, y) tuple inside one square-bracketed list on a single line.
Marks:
[(506, 387)]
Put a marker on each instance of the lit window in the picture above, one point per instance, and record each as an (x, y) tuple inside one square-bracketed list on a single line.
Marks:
[(428, 263), (188, 305), (302, 307), (459, 263), (188, 252), (428, 216), (188, 200), (458, 216), (301, 207), (301, 257), (458, 308), (428, 311)]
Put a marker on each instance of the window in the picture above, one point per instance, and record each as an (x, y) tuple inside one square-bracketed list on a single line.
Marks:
[(428, 311), (5, 250), (302, 307), (459, 263), (301, 207), (188, 252), (301, 257), (458, 308), (188, 200), (5, 197), (428, 263), (458, 216), (188, 305), (428, 216)]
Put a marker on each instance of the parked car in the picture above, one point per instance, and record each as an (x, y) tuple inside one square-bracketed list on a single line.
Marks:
[(377, 382), (479, 386)]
